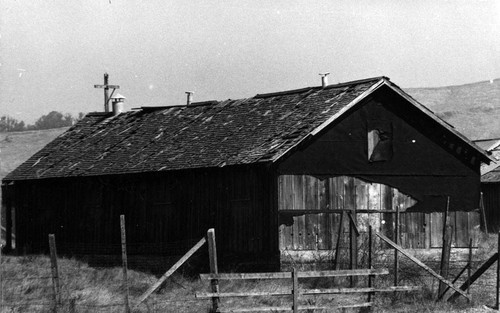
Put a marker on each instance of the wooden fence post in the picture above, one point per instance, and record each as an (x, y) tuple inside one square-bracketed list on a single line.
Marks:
[(124, 262), (338, 244), (353, 248), (295, 290), (497, 306), (370, 277), (483, 214), (445, 217), (445, 258), (469, 267), (55, 271), (396, 240), (1, 278), (212, 254), (340, 235)]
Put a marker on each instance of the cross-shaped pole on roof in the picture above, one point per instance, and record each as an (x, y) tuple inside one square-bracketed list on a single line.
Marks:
[(106, 87)]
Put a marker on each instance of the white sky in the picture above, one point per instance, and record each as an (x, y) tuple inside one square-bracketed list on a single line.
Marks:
[(52, 52)]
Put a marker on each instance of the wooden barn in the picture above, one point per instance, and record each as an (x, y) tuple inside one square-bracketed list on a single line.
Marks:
[(490, 184), (271, 174)]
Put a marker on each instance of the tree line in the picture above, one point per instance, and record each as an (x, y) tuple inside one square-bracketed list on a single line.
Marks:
[(52, 120)]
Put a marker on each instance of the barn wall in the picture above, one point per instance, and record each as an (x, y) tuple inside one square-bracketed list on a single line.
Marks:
[(310, 214), (422, 161), (491, 199), (165, 213), (315, 227), (310, 209)]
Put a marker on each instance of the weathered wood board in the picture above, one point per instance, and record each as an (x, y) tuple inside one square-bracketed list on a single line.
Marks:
[(321, 200)]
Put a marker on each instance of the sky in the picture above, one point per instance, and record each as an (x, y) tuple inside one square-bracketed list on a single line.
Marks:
[(53, 52)]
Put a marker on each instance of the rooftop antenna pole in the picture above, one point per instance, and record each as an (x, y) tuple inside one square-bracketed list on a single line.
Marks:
[(106, 87)]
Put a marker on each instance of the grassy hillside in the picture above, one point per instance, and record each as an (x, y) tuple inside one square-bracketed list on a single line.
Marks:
[(17, 147), (473, 109)]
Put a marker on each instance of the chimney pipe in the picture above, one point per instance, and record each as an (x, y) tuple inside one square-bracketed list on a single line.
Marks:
[(189, 99), (117, 101), (324, 79)]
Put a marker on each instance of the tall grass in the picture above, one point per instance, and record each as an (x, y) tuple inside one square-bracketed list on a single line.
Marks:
[(26, 287)]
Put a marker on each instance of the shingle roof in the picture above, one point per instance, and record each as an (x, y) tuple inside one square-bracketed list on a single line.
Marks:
[(208, 134), (491, 173), (492, 176)]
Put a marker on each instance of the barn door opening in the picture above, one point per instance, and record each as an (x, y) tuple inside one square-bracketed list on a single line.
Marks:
[(310, 211)]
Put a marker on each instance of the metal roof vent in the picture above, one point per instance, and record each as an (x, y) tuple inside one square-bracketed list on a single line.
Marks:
[(117, 101), (189, 99), (324, 79)]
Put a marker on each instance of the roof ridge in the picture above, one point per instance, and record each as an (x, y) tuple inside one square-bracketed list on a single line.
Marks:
[(306, 89)]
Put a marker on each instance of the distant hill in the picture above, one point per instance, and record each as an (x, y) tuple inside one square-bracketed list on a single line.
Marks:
[(17, 147), (473, 109)]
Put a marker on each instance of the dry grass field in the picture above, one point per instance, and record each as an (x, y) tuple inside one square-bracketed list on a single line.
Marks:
[(26, 287)]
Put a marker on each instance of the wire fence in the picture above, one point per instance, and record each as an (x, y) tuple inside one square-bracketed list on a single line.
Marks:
[(27, 282), (95, 284)]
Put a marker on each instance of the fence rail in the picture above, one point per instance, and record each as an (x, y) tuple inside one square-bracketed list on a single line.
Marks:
[(54, 291), (296, 291)]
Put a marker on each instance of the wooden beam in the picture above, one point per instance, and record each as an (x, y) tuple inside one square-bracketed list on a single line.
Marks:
[(295, 291), (497, 306), (370, 277), (396, 240), (287, 275), (353, 245), (480, 271), (336, 211), (422, 265), (360, 290), (340, 235), (124, 263), (289, 309), (454, 281), (469, 265), (171, 270), (353, 223), (56, 287), (445, 258), (214, 269), (209, 295), (483, 214)]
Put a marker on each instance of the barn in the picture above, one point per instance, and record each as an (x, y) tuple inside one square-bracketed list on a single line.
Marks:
[(490, 184), (271, 173)]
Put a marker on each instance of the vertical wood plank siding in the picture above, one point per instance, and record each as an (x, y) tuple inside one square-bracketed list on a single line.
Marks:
[(491, 199), (166, 212), (318, 231)]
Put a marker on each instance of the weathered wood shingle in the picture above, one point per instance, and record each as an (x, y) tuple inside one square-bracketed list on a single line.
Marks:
[(215, 134)]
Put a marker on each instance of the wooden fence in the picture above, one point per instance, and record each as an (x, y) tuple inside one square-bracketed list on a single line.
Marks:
[(296, 291)]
